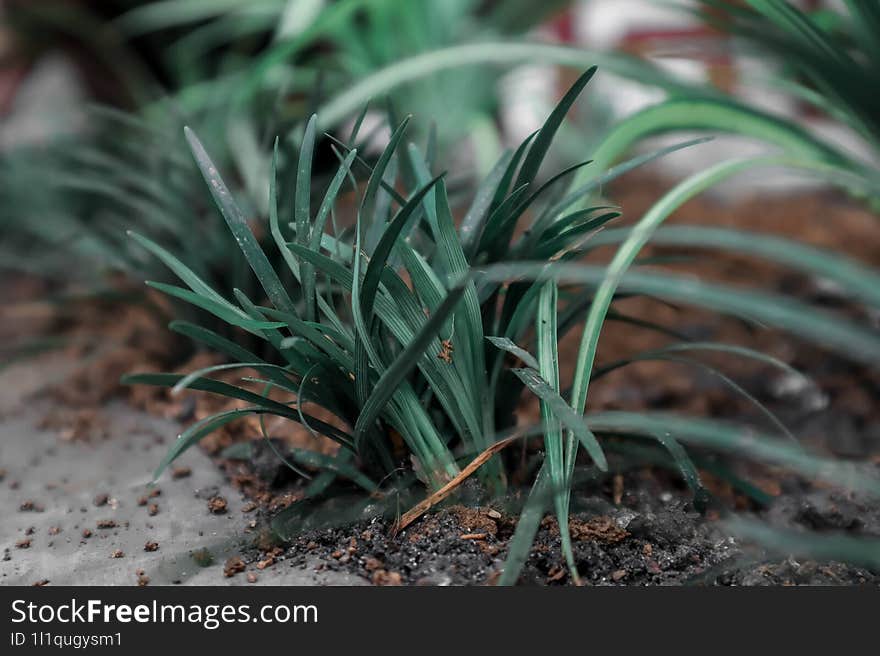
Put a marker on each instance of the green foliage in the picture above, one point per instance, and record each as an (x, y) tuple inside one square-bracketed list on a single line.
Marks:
[(830, 57), (826, 59), (65, 208), (238, 72), (403, 327), (66, 204)]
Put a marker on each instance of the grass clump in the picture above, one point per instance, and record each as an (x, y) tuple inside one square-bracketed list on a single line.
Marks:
[(403, 328)]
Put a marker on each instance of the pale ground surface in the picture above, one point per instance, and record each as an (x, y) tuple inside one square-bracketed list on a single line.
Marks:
[(65, 477)]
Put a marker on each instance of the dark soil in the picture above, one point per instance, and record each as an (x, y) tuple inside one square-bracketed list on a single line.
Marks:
[(653, 537)]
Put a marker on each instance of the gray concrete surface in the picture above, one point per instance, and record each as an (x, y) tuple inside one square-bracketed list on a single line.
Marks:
[(63, 479)]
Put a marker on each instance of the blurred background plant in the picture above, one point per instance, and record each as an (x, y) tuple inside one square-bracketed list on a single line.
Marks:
[(240, 73), (776, 63)]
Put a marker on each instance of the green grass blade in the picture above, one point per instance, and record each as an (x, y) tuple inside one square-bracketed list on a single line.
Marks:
[(841, 335), (624, 257), (388, 383), (330, 197), (508, 345), (526, 528), (718, 347), (301, 212), (572, 421), (386, 244), (213, 340), (258, 365), (686, 466), (230, 391), (197, 431), (217, 309), (239, 227), (183, 272), (839, 546), (274, 225), (507, 53), (855, 278), (472, 224), (368, 202), (544, 138), (333, 464), (544, 383), (715, 115), (740, 441)]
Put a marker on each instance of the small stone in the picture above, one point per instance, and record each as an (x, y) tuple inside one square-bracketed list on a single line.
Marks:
[(106, 523), (618, 574), (493, 514), (101, 499), (151, 546), (207, 492), (24, 543), (41, 583), (153, 509), (436, 579), (252, 577), (117, 553), (180, 472), (142, 578), (54, 530), (86, 533), (217, 505)]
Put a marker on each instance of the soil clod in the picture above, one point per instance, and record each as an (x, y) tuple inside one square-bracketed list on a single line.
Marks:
[(233, 566), (180, 472), (217, 505)]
